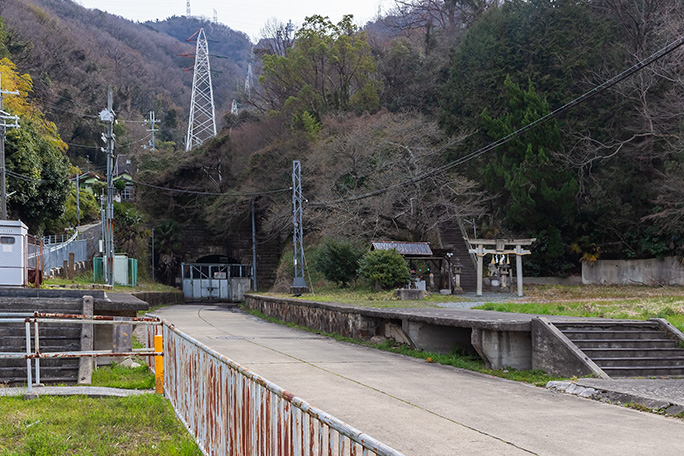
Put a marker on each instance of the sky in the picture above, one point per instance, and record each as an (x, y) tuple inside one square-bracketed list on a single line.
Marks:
[(246, 16)]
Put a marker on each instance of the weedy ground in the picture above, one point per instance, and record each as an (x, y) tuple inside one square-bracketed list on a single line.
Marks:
[(137, 425), (623, 302)]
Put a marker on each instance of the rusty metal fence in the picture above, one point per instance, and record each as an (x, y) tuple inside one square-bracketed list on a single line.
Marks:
[(32, 320), (232, 411)]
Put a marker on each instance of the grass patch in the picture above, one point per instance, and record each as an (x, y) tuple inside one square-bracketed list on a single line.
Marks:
[(139, 425), (116, 376), (367, 297), (668, 307), (471, 363), (580, 292), (85, 279)]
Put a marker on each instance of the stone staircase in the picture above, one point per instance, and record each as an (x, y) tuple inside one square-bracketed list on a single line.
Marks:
[(54, 337), (627, 348), (451, 238)]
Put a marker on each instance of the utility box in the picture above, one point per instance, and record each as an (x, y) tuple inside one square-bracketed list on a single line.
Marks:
[(125, 270), (13, 269)]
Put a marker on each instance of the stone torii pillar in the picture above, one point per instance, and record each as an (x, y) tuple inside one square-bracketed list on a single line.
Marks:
[(501, 247)]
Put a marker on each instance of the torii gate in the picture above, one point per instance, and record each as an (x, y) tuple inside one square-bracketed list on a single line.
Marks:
[(477, 246)]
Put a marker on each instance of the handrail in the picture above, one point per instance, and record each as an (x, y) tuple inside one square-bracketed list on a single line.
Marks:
[(35, 318)]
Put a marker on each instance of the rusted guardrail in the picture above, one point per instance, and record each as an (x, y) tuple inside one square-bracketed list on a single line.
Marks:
[(233, 411), (34, 319)]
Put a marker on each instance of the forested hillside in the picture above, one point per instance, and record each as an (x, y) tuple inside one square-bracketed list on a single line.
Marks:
[(74, 54), (389, 120)]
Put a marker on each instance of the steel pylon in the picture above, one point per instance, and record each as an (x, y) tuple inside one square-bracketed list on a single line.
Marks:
[(202, 121)]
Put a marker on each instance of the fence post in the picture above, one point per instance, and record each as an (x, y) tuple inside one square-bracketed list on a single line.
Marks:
[(159, 364), (85, 367)]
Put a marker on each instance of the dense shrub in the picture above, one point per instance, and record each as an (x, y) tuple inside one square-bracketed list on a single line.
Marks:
[(386, 268), (338, 261)]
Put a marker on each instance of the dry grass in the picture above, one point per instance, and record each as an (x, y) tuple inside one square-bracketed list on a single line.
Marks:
[(625, 302), (365, 297), (557, 293)]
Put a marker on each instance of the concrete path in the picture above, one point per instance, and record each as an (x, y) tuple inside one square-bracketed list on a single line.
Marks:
[(426, 409), (90, 391)]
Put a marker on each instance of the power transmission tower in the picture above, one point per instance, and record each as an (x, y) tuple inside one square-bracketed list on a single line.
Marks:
[(187, 9), (202, 121), (108, 117), (234, 108), (249, 82), (298, 283), (14, 123), (215, 16), (153, 129)]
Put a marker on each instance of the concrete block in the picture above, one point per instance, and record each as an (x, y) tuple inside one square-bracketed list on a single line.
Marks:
[(395, 332), (554, 354), (500, 349), (410, 294), (86, 365), (674, 410)]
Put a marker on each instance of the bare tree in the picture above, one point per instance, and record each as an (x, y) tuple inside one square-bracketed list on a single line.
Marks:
[(387, 156)]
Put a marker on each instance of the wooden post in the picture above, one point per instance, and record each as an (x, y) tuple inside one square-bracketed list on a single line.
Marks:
[(72, 266)]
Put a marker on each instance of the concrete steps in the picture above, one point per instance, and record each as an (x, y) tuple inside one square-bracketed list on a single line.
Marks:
[(54, 337), (627, 348)]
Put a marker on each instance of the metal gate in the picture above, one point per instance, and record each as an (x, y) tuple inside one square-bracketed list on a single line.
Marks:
[(215, 282)]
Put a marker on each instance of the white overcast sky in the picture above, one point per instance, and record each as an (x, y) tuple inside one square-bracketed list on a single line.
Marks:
[(246, 16)]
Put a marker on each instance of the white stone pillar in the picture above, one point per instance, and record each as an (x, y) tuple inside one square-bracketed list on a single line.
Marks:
[(479, 272), (518, 269)]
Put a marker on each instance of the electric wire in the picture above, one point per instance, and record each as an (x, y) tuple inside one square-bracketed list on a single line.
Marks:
[(197, 192), (23, 177), (491, 146)]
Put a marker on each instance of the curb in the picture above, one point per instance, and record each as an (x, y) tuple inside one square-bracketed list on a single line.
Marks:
[(88, 391), (615, 397)]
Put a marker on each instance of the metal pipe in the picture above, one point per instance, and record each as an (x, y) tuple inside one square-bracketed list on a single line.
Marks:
[(37, 351), (29, 380)]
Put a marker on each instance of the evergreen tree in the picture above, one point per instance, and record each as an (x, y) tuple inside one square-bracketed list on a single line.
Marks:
[(537, 196)]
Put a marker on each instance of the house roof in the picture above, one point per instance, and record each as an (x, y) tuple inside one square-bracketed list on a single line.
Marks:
[(404, 248)]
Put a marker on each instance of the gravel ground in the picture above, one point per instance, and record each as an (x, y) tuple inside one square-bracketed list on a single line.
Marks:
[(473, 300)]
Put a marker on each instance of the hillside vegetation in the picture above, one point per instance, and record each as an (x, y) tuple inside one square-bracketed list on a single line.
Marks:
[(387, 120)]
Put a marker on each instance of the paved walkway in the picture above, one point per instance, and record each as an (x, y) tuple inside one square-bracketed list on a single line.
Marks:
[(90, 391), (426, 409)]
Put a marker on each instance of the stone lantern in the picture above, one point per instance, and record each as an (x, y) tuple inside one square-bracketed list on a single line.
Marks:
[(456, 270)]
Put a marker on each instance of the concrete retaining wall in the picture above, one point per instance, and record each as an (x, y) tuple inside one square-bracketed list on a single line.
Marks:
[(668, 271), (160, 298), (328, 318), (501, 344)]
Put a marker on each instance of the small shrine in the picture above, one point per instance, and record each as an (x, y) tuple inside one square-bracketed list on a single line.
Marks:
[(499, 267)]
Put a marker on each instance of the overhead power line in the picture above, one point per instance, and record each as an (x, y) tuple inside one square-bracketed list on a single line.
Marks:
[(491, 146), (197, 192)]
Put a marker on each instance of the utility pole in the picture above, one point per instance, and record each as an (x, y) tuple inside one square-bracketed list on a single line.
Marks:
[(152, 254), (298, 284), (78, 199), (4, 117), (254, 257), (108, 116), (152, 121), (249, 81)]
